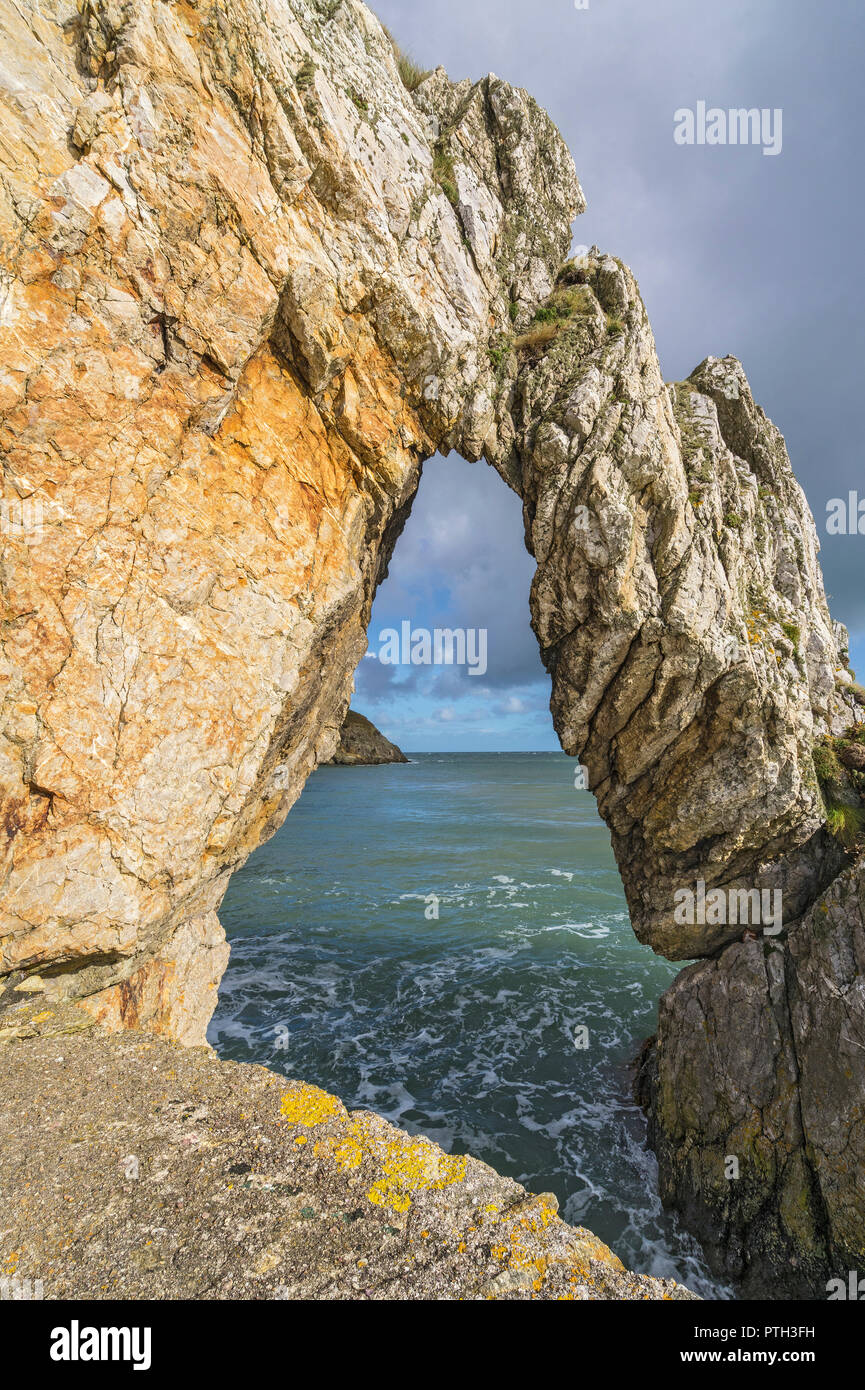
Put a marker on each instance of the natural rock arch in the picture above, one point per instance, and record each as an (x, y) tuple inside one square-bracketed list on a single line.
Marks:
[(249, 282)]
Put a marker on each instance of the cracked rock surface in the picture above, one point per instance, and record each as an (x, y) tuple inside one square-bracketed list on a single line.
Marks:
[(760, 1058), (238, 309), (134, 1168)]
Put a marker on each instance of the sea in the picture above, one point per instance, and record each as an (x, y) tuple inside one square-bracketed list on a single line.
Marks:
[(447, 942)]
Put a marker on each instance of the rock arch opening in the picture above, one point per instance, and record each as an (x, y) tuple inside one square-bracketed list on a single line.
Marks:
[(447, 943)]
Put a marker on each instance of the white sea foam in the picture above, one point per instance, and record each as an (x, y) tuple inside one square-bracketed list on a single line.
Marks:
[(461, 1028)]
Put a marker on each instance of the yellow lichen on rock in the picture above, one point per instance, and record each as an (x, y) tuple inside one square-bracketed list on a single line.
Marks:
[(309, 1106), (528, 1247), (400, 1165), (413, 1165)]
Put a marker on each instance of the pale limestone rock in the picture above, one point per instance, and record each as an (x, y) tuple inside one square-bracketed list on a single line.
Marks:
[(680, 609), (229, 277)]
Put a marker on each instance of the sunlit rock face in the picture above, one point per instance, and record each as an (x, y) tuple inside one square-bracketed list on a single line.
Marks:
[(680, 609), (248, 282), (238, 308)]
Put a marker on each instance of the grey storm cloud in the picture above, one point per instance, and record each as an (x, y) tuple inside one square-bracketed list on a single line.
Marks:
[(460, 562)]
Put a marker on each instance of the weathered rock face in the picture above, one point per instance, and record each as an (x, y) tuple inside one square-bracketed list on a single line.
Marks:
[(760, 1059), (237, 310), (361, 742), (680, 609), (248, 282)]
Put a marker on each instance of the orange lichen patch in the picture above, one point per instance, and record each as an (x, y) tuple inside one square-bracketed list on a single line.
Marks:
[(529, 1241), (593, 1249), (540, 1215), (348, 1154), (410, 1166), (307, 1105), (400, 1166)]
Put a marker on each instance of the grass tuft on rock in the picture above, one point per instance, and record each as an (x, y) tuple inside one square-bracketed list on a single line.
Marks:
[(411, 74), (445, 175), (305, 74), (847, 824), (827, 765), (566, 304), (537, 336), (842, 779)]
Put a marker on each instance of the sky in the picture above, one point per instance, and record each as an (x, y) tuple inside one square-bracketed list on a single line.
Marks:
[(735, 252)]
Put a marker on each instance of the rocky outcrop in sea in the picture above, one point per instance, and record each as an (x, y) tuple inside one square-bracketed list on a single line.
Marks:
[(360, 742)]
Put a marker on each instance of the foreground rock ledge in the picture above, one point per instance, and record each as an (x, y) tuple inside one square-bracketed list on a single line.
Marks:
[(252, 1186)]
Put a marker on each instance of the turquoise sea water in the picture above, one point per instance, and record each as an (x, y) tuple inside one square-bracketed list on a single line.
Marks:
[(463, 1027)]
